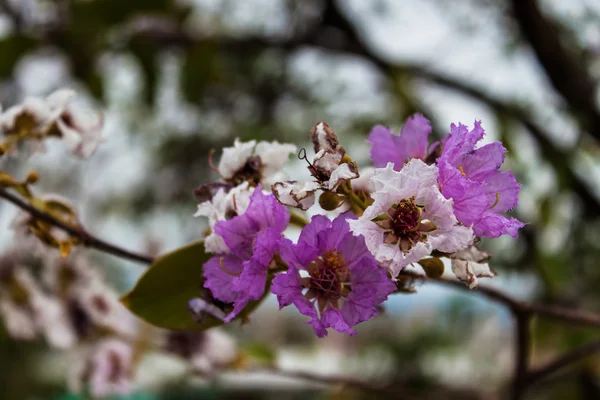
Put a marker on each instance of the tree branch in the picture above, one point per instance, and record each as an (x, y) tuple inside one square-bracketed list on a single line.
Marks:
[(517, 306), (522, 352), (334, 17), (566, 72), (393, 389), (87, 239), (571, 357)]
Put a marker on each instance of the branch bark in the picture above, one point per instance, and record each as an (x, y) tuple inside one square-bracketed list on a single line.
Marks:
[(522, 353), (571, 357), (87, 239), (564, 69)]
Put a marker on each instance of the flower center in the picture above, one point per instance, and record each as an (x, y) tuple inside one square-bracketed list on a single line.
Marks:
[(328, 280), (405, 219), (251, 172), (404, 225)]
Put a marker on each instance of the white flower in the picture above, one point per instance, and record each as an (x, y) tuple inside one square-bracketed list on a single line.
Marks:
[(104, 368), (221, 207), (363, 182), (273, 155), (61, 274), (55, 323), (469, 264), (219, 349), (207, 351), (103, 309), (262, 162), (341, 174), (29, 313), (234, 158), (296, 194), (18, 322), (409, 217), (80, 130), (324, 138)]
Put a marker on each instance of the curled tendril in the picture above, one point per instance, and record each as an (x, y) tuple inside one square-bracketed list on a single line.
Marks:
[(302, 156)]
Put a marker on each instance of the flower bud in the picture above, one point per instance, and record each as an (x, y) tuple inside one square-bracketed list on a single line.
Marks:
[(32, 177), (329, 201), (433, 267)]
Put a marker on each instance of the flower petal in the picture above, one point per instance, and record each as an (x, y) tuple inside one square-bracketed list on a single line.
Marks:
[(384, 148), (219, 273), (493, 225), (484, 161), (413, 137)]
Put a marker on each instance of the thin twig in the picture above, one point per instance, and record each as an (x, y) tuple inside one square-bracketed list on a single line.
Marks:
[(328, 380), (571, 357), (522, 351), (518, 306), (87, 239)]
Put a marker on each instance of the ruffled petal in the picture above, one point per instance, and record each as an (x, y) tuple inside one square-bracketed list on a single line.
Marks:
[(493, 225), (384, 148), (235, 157), (287, 287), (273, 155), (264, 211), (411, 143), (333, 318), (460, 142), (367, 274), (297, 255), (484, 161), (219, 273), (470, 199), (359, 306), (502, 190), (310, 233), (413, 137)]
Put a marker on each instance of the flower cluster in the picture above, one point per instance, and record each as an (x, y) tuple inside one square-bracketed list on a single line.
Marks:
[(55, 116), (419, 203), (64, 299), (70, 304)]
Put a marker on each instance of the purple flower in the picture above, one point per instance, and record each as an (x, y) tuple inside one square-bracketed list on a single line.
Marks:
[(253, 238), (399, 149), (471, 177), (332, 277)]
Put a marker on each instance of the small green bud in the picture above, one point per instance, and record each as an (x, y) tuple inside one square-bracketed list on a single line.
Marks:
[(32, 177), (433, 267), (329, 201)]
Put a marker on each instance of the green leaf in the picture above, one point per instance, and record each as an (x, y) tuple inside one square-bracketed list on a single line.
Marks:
[(433, 267), (161, 295)]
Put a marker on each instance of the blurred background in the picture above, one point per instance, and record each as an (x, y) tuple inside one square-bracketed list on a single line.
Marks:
[(176, 78)]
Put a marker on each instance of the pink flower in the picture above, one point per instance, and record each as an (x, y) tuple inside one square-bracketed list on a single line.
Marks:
[(332, 277), (399, 149), (409, 217), (471, 177), (252, 238)]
